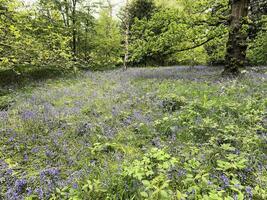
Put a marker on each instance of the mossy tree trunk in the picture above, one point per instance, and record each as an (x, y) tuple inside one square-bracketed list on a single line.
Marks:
[(237, 41)]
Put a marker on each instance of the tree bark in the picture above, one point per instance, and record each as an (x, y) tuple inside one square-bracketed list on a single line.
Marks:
[(237, 41), (74, 29), (126, 39), (110, 8)]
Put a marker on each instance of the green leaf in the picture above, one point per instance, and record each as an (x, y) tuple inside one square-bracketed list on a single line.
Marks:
[(146, 183), (144, 194)]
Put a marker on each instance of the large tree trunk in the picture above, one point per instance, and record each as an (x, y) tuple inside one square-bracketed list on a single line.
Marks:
[(237, 42)]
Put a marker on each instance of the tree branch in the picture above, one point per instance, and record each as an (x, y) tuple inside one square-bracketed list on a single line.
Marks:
[(197, 45)]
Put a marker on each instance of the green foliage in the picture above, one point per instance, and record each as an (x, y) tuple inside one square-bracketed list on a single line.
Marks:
[(79, 33), (6, 101), (216, 51), (141, 9), (84, 138), (187, 33), (152, 164), (151, 172), (175, 35), (258, 48), (171, 102), (107, 43), (20, 42), (43, 35)]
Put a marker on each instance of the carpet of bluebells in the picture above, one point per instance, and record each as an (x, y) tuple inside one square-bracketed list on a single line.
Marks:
[(159, 133)]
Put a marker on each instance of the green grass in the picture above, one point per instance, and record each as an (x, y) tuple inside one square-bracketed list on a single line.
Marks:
[(140, 134)]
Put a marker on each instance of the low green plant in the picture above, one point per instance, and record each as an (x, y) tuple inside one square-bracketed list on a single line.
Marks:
[(151, 174)]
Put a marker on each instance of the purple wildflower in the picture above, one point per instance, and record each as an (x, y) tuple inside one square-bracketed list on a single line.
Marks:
[(12, 195), (248, 170), (3, 164), (28, 115), (84, 128), (225, 180), (237, 152), (35, 150), (75, 186), (156, 142), (53, 172), (210, 183), (60, 133), (249, 192), (242, 176), (48, 153), (12, 138), (260, 167), (9, 171), (40, 193), (3, 115), (181, 172), (29, 191), (25, 157), (20, 185)]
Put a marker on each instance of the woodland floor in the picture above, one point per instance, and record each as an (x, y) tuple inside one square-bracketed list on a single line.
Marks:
[(61, 131)]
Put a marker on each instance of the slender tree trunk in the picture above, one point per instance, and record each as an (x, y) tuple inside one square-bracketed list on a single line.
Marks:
[(64, 18), (62, 10), (74, 31), (237, 41), (110, 8), (67, 13), (127, 32), (126, 54)]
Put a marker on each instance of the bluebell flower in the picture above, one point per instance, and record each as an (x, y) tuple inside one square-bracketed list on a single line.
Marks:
[(237, 151), (12, 138), (210, 183), (249, 192), (181, 172), (75, 186), (20, 184), (3, 115), (29, 191), (225, 180), (48, 153), (60, 133), (40, 193), (52, 172), (35, 150), (248, 169), (242, 176), (28, 115), (3, 164), (9, 171), (26, 157)]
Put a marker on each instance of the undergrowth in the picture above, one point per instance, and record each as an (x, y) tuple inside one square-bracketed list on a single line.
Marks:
[(116, 135)]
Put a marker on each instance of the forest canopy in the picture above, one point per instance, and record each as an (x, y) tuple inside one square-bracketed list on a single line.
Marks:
[(91, 34)]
